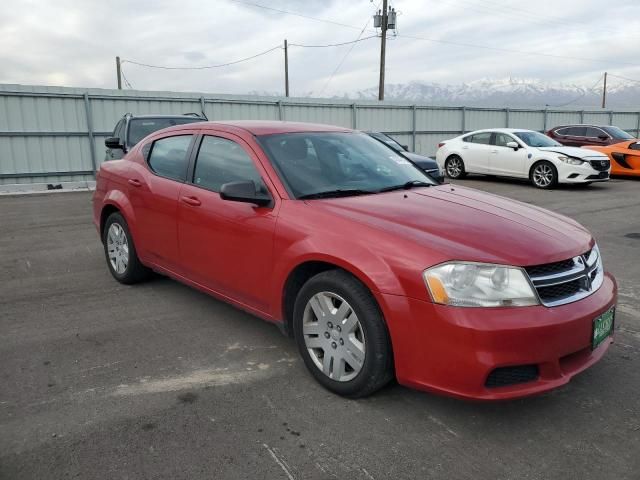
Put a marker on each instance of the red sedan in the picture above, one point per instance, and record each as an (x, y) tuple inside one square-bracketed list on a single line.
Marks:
[(376, 271)]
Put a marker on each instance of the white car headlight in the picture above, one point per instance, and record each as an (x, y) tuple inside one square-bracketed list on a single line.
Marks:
[(466, 284), (570, 160)]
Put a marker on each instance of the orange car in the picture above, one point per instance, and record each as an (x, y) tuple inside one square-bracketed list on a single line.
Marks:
[(625, 157)]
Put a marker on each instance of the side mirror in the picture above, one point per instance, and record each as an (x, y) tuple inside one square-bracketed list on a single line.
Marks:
[(114, 143), (244, 191), (405, 147), (513, 145)]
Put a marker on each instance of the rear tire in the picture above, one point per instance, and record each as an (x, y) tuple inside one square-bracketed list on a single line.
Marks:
[(341, 335), (544, 175), (120, 252), (454, 167)]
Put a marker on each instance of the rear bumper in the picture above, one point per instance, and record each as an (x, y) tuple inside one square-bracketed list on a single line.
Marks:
[(453, 350)]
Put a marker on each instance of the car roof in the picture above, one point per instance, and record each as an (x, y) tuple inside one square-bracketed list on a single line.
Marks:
[(500, 130), (266, 127), (131, 115), (581, 125)]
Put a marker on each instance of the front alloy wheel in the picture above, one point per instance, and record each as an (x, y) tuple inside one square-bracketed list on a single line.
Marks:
[(334, 337), (544, 175), (341, 334)]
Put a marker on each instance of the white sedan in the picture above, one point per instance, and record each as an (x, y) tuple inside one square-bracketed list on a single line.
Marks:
[(520, 153)]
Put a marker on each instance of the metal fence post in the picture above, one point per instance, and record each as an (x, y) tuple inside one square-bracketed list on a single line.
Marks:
[(413, 127), (92, 143), (544, 120), (354, 116), (638, 126), (202, 106), (581, 116), (464, 119), (280, 113), (610, 117), (506, 117)]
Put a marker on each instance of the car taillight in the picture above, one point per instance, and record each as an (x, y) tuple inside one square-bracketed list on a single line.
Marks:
[(441, 144)]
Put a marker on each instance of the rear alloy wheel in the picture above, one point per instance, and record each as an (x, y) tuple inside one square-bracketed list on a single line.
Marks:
[(341, 335), (454, 166), (544, 175), (120, 251)]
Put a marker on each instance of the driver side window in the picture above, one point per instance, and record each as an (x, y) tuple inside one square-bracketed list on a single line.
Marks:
[(502, 139), (223, 161)]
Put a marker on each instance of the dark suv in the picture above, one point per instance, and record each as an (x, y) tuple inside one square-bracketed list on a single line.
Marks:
[(582, 135), (428, 164), (133, 128)]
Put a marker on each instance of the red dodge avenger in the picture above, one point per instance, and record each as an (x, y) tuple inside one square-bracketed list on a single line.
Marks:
[(373, 268)]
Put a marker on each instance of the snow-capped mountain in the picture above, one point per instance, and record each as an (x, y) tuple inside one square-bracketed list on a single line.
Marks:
[(508, 93)]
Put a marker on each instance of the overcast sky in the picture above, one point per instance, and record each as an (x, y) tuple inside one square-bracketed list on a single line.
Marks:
[(74, 43)]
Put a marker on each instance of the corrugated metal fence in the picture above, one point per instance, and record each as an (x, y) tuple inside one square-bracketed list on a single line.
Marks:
[(56, 134)]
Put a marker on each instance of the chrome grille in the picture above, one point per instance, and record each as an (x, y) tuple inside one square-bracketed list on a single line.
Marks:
[(569, 280)]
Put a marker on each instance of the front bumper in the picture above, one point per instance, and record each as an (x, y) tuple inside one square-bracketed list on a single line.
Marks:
[(453, 350), (582, 174), (436, 174)]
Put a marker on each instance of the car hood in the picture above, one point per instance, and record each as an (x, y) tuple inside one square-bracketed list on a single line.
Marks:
[(572, 151), (457, 223)]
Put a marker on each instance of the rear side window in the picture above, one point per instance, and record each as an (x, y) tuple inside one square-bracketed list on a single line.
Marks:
[(576, 131), (483, 138), (223, 161), (168, 157)]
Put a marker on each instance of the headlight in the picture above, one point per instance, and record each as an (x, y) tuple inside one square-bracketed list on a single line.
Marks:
[(465, 284), (571, 160)]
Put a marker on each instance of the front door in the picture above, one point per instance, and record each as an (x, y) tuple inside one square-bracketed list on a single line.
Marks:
[(226, 246), (505, 160)]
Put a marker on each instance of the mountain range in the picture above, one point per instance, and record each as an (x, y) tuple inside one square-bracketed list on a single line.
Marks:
[(500, 93)]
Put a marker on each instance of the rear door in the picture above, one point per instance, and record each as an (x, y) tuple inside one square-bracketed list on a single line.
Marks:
[(505, 160), (475, 152), (575, 136), (227, 246), (154, 185)]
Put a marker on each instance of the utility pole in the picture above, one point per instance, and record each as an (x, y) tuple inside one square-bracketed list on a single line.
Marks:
[(604, 91), (383, 46), (286, 69), (119, 73)]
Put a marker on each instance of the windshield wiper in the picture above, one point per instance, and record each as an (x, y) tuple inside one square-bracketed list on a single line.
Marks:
[(406, 186), (335, 193)]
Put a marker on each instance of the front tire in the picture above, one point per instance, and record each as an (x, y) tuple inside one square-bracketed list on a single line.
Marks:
[(454, 166), (120, 252), (544, 175), (341, 335)]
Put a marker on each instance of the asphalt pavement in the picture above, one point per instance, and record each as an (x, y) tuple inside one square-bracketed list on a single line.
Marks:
[(104, 381)]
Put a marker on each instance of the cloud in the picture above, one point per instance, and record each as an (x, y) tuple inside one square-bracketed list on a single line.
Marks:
[(74, 42)]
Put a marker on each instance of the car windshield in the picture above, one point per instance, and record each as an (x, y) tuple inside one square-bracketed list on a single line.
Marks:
[(535, 139), (339, 164), (141, 127), (617, 133)]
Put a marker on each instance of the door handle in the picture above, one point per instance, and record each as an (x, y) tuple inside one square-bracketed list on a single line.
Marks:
[(465, 147), (494, 151), (135, 182), (193, 201)]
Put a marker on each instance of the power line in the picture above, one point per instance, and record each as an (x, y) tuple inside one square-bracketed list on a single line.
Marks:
[(333, 44), (624, 78), (204, 67), (341, 62), (309, 17), (584, 94), (126, 82), (520, 52)]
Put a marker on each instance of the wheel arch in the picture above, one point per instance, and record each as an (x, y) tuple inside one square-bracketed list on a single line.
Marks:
[(116, 201), (306, 268)]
